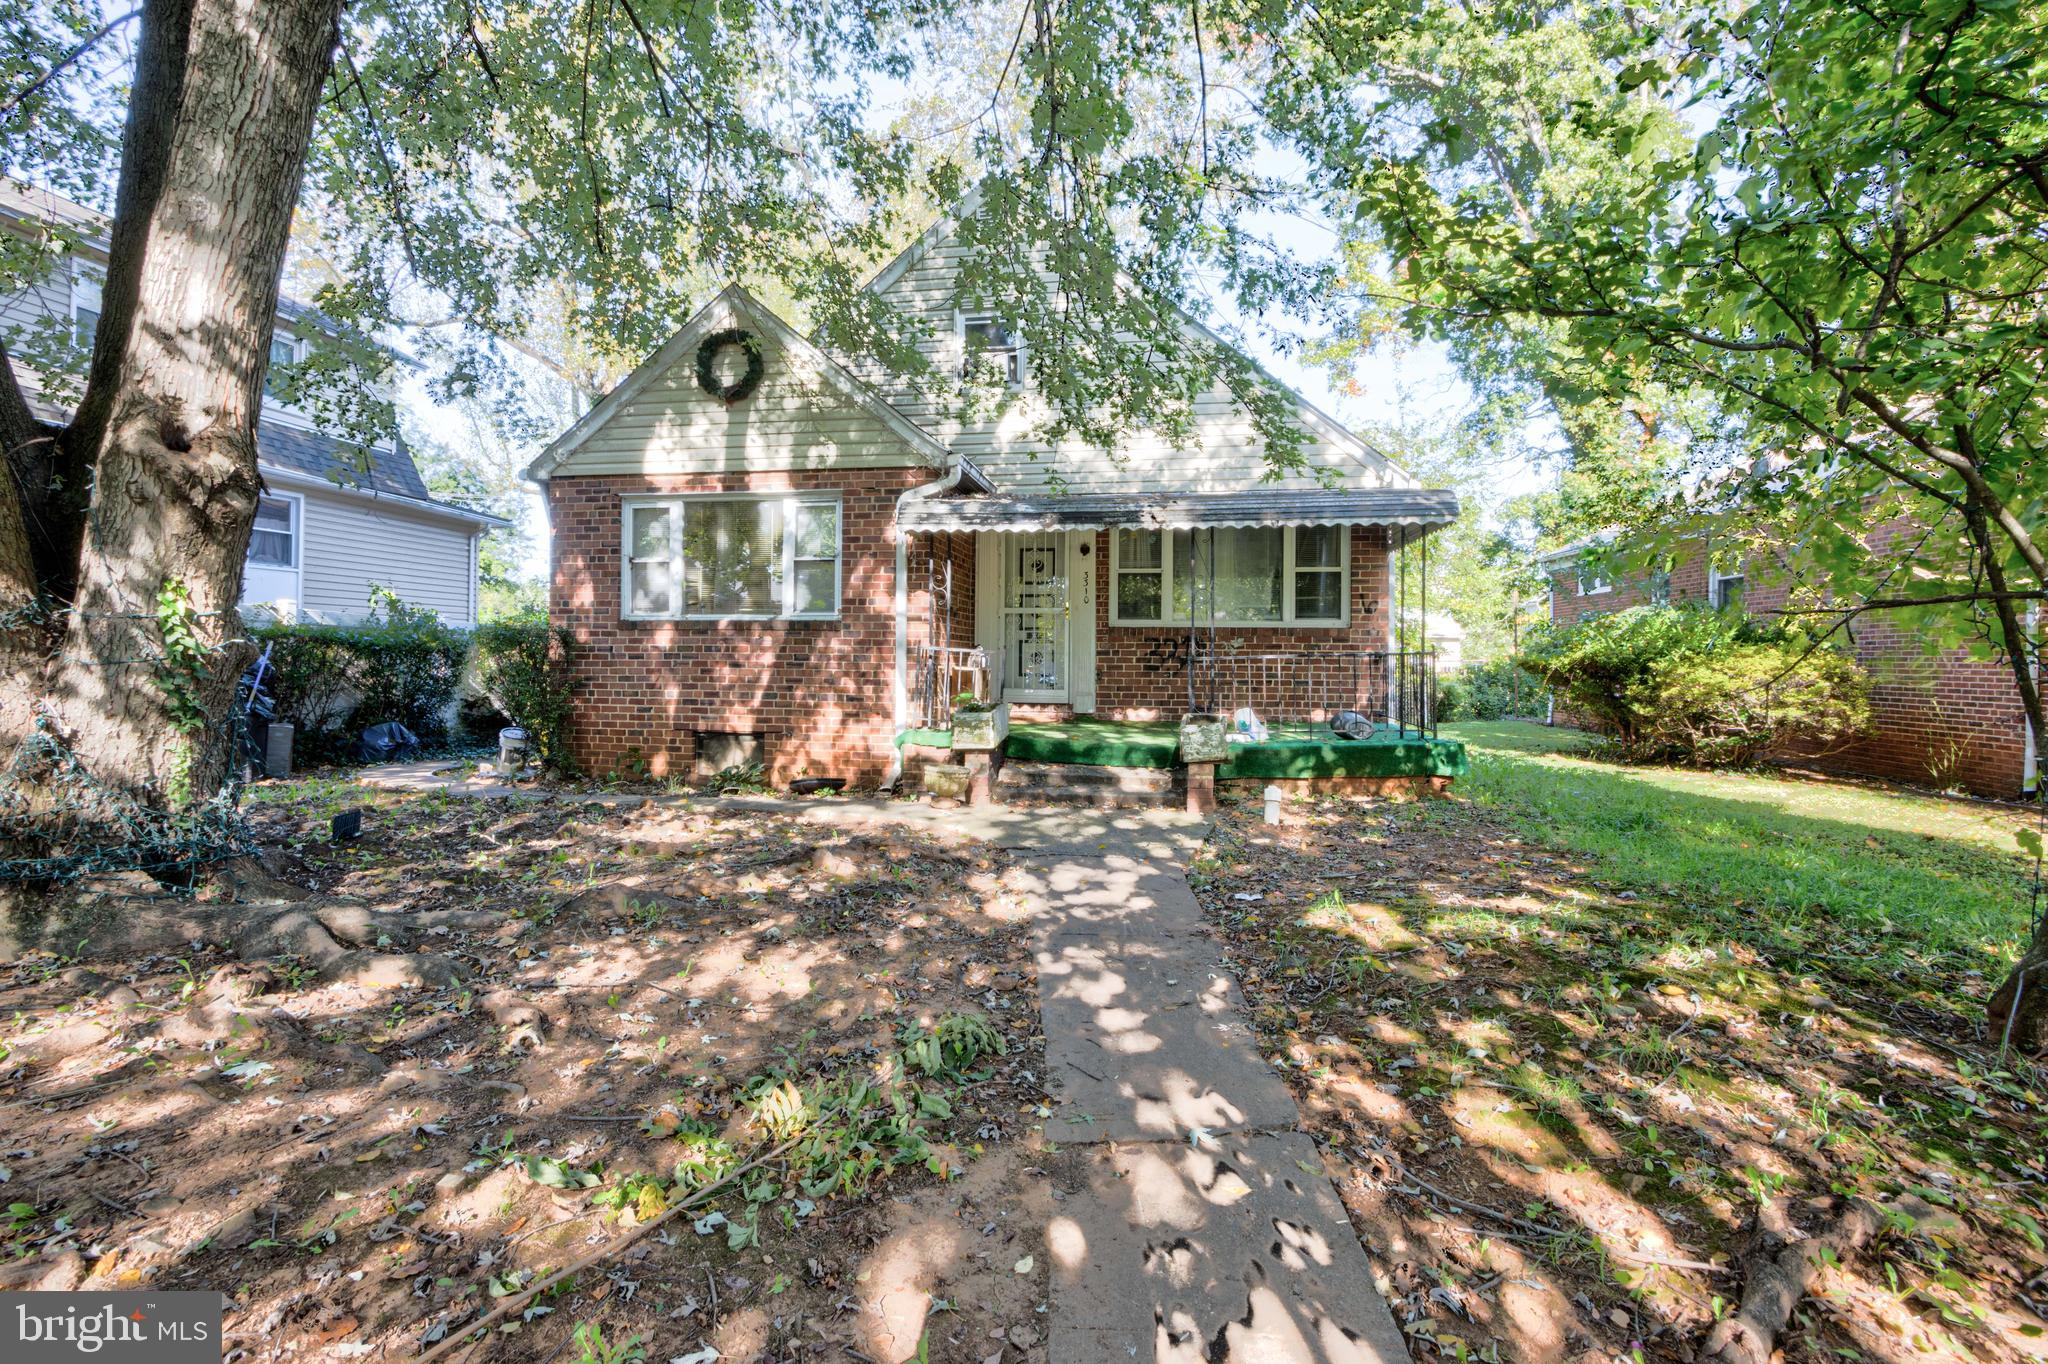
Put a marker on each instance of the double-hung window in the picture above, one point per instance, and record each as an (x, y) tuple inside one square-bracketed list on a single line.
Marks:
[(987, 339), (1724, 590), (85, 309), (284, 350), (1250, 575), (274, 542), (719, 557)]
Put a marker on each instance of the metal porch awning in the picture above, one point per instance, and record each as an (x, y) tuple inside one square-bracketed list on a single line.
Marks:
[(1419, 507)]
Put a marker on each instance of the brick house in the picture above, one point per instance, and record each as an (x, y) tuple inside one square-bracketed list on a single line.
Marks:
[(807, 573), (1937, 719)]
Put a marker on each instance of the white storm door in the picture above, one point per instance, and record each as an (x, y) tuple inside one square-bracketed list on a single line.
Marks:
[(1035, 617)]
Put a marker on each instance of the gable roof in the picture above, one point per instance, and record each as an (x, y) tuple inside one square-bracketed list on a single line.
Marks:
[(736, 301), (1361, 451)]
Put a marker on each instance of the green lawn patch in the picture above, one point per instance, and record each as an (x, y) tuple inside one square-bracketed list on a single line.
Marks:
[(1919, 873)]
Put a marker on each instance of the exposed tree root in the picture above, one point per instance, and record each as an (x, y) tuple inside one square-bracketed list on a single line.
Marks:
[(269, 919), (1776, 1281)]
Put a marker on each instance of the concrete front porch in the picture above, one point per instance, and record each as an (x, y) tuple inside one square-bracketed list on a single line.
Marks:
[(1293, 752)]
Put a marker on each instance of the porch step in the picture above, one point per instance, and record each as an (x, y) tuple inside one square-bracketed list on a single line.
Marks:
[(1087, 784)]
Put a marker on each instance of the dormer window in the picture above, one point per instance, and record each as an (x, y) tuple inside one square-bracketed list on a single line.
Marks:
[(989, 339), (284, 350)]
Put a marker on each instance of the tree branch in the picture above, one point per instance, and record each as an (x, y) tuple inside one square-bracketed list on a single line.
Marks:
[(16, 101)]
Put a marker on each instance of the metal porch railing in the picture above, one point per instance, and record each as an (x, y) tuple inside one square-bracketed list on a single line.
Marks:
[(940, 673), (1312, 687)]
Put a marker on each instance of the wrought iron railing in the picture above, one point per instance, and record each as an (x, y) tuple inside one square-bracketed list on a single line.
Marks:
[(942, 673), (1312, 688)]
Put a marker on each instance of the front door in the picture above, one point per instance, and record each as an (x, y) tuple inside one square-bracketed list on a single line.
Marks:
[(1035, 616)]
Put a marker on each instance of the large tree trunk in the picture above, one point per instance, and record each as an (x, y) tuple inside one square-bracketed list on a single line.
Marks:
[(222, 110)]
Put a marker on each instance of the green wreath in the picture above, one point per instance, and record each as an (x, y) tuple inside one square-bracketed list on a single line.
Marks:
[(707, 356)]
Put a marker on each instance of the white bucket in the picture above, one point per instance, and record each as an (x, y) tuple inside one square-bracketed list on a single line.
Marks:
[(512, 749)]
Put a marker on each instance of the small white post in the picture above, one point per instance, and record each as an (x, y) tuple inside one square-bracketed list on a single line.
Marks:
[(1273, 794)]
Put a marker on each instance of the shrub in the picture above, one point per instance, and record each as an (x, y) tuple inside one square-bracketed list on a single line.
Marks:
[(1690, 684), (527, 669), (333, 681), (1453, 698), (1503, 690)]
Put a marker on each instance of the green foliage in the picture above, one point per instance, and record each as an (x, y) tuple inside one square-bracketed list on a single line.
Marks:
[(1489, 691), (1786, 256), (593, 1348), (333, 681), (952, 1045), (527, 669), (182, 677), (1687, 684)]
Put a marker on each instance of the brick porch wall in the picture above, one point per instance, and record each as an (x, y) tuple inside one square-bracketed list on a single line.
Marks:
[(1141, 670), (820, 692), (1936, 719)]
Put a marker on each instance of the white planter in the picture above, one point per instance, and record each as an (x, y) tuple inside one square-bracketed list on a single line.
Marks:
[(978, 731)]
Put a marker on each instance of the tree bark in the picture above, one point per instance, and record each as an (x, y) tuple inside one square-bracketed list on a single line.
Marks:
[(215, 143), (2018, 1010)]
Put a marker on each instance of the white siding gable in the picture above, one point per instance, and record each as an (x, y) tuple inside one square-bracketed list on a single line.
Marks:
[(808, 412), (1223, 454)]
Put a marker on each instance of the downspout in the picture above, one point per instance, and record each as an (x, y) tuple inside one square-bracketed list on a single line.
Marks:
[(2030, 765), (900, 698)]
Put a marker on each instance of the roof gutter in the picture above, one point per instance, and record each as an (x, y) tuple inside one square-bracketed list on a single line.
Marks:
[(961, 474)]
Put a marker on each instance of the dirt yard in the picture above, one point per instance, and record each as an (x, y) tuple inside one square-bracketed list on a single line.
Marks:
[(1571, 1119), (646, 999)]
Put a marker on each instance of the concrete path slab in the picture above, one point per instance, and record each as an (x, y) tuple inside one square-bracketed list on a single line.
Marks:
[(1208, 1233), (1238, 1252), (1144, 1030)]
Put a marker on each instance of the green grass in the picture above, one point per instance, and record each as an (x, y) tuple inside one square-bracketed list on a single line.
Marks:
[(1918, 874)]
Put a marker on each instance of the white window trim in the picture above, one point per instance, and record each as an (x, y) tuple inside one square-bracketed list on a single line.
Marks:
[(790, 502), (1715, 577), (1288, 619), (81, 281), (1598, 585), (963, 316), (297, 504)]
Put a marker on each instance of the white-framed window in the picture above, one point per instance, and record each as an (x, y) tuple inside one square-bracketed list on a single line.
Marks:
[(85, 308), (1724, 590), (274, 541), (986, 338), (285, 349), (722, 556), (1592, 583), (1262, 575)]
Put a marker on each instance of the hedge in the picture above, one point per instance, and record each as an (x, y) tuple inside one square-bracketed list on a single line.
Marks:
[(331, 682), (527, 670), (1499, 690)]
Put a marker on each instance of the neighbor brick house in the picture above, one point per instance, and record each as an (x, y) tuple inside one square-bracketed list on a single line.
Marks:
[(1941, 719), (806, 571)]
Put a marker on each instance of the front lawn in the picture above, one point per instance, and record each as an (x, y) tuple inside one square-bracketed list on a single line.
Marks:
[(1569, 1037), (1898, 873)]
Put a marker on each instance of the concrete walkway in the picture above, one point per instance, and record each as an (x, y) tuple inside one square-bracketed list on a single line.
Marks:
[(1208, 1233)]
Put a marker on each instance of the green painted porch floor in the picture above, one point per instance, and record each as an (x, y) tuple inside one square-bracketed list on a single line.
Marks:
[(1292, 751)]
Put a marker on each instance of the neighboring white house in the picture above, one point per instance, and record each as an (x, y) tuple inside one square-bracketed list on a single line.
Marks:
[(328, 529)]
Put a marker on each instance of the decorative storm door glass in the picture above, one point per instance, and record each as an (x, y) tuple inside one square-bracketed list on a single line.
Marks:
[(1035, 616)]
